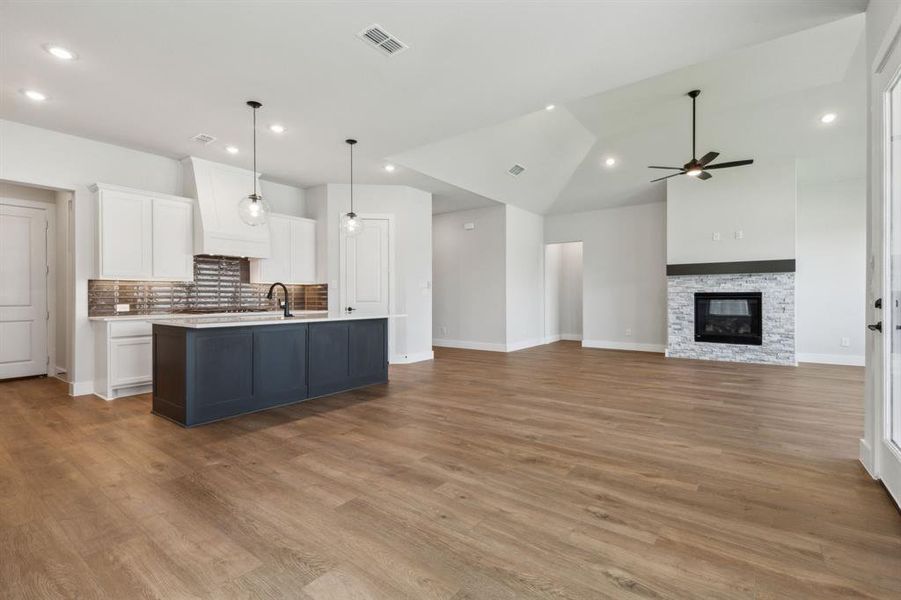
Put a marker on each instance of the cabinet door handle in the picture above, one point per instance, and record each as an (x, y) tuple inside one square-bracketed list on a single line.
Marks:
[(351, 309), (875, 326)]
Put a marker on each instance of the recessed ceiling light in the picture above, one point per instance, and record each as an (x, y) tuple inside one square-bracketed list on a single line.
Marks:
[(389, 168), (550, 107), (34, 95), (60, 52), (277, 128), (231, 149), (610, 161), (828, 118)]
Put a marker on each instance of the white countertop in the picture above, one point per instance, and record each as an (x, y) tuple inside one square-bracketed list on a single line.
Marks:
[(167, 316), (244, 319)]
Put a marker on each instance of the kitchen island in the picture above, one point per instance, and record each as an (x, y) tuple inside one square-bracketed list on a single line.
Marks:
[(211, 368)]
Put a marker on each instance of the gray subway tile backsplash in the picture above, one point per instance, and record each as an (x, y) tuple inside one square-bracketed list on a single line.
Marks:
[(221, 284)]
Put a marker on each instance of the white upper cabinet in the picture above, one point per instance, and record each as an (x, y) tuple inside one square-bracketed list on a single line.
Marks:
[(303, 251), (173, 239), (142, 235), (293, 258)]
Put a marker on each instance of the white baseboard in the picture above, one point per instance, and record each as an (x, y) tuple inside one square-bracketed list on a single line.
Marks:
[(522, 345), (636, 346), (81, 388), (832, 359), (570, 337), (405, 359), (489, 346), (865, 455)]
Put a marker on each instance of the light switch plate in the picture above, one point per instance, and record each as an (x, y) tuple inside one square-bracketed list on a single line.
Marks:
[(716, 236), (846, 342), (123, 307), (469, 226), (739, 234)]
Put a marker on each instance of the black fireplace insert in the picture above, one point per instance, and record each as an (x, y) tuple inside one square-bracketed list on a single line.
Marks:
[(729, 318)]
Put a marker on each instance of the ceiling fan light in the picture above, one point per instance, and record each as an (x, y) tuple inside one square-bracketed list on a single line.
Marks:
[(693, 172)]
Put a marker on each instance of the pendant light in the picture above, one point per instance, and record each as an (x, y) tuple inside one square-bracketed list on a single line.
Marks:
[(351, 224), (252, 209)]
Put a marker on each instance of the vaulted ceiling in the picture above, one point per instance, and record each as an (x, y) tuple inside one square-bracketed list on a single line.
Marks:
[(456, 109)]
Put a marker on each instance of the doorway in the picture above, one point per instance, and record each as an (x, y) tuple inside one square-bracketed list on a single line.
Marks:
[(563, 292)]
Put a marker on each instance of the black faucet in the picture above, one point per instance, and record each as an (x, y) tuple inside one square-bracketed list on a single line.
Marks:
[(287, 302)]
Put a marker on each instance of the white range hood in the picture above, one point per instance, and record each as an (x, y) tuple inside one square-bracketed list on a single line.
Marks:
[(218, 229)]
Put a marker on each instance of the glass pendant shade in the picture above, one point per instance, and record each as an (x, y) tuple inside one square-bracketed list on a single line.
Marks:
[(351, 224), (253, 210)]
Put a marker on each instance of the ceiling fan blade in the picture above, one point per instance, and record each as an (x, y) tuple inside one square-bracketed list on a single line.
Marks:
[(709, 157), (666, 177), (734, 163), (670, 168), (704, 175)]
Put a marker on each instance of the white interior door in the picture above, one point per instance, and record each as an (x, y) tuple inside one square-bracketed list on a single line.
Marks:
[(23, 291), (365, 269), (888, 433)]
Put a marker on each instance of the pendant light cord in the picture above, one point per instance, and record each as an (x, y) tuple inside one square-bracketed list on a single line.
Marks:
[(351, 178), (255, 198)]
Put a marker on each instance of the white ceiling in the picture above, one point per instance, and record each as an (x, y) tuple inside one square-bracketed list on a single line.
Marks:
[(152, 74)]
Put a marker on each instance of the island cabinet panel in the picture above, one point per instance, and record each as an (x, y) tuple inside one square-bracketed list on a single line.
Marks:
[(222, 374), (169, 376), (202, 375), (347, 355), (329, 352), (279, 364)]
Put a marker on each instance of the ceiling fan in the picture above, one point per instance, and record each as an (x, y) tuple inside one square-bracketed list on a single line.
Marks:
[(699, 167)]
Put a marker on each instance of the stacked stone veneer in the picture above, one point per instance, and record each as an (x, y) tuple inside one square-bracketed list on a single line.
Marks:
[(778, 290)]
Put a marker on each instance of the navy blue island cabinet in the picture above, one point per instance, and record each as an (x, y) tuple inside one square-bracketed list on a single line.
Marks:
[(206, 374)]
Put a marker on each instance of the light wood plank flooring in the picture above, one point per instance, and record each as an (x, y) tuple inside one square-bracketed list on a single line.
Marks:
[(555, 472)]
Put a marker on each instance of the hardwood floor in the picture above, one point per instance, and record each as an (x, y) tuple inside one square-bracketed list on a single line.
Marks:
[(555, 472)]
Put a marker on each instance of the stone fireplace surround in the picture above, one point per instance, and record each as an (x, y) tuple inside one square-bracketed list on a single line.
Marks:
[(777, 288)]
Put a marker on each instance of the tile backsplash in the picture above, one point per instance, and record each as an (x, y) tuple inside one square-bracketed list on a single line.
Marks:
[(221, 284)]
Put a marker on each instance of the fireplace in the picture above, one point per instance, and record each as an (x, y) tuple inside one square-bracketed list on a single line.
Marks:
[(729, 317)]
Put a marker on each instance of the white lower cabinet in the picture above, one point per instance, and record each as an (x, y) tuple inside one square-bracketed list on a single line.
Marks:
[(293, 258), (123, 358)]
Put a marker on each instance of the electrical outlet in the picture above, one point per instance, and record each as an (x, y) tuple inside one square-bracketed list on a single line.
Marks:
[(716, 236), (123, 307), (846, 342), (628, 332)]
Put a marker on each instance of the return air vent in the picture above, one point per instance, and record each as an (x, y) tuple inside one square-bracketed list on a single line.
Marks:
[(516, 170), (380, 39), (204, 138)]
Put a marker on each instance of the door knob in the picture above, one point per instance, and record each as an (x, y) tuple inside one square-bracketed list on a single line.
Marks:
[(875, 326)]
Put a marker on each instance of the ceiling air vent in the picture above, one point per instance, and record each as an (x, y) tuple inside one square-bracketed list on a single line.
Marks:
[(380, 39), (204, 138), (516, 170)]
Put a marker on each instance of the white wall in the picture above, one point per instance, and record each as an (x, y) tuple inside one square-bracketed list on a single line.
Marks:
[(624, 273), (563, 291), (41, 157), (758, 200), (412, 212), (284, 199), (831, 276), (469, 267), (524, 278)]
